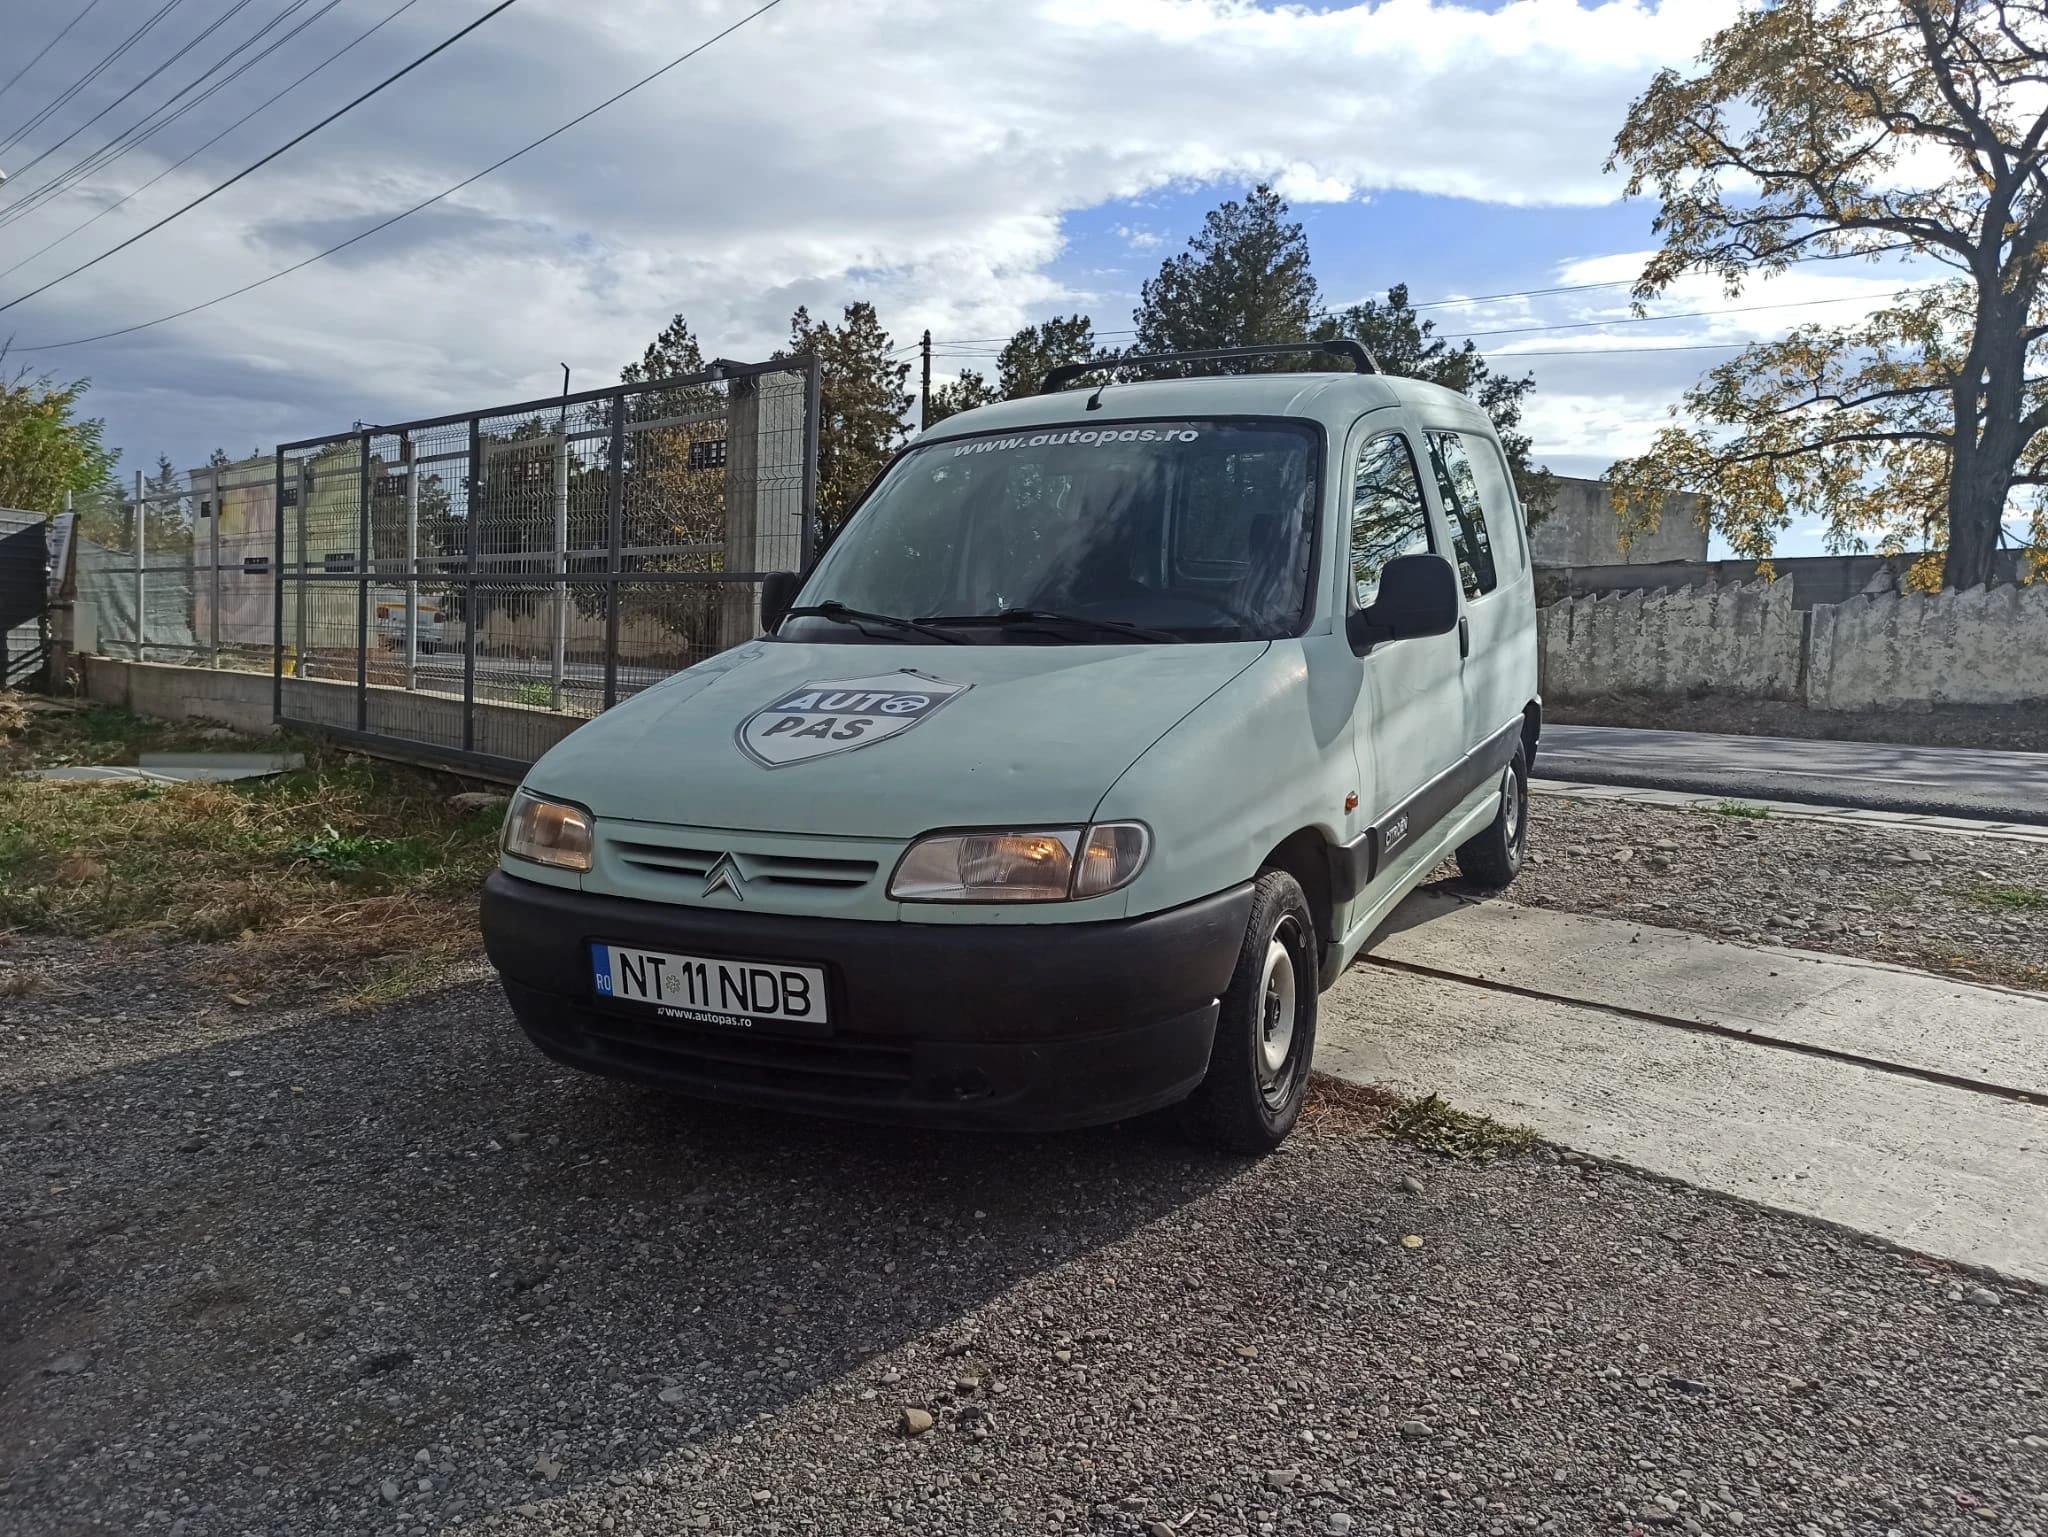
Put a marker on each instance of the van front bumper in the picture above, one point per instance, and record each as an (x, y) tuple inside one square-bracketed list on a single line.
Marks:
[(1018, 1026)]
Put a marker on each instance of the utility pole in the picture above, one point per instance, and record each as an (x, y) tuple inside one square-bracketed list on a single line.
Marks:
[(924, 396)]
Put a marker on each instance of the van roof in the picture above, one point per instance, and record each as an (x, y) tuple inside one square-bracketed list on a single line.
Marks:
[(1326, 397)]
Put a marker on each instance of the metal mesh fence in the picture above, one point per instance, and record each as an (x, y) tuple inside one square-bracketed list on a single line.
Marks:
[(178, 569), (481, 583)]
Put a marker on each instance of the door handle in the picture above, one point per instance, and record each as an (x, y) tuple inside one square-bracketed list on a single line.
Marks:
[(1464, 637)]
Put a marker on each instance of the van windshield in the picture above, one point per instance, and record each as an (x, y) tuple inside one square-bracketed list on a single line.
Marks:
[(1126, 533)]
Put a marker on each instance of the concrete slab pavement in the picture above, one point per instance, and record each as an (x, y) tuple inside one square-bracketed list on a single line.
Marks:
[(1910, 1107)]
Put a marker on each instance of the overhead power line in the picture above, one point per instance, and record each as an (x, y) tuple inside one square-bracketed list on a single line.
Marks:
[(233, 10), (154, 122), (268, 101), (342, 111), (52, 43), (56, 103), (554, 133)]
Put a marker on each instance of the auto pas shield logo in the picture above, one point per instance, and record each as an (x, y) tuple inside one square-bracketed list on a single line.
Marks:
[(838, 716)]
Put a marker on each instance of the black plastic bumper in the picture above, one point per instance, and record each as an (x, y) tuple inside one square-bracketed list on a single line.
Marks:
[(1020, 1026)]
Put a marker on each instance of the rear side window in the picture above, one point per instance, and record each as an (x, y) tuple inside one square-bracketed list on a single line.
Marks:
[(1497, 496), (1388, 517), (1460, 491)]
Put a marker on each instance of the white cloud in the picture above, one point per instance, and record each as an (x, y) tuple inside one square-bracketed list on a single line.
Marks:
[(921, 152)]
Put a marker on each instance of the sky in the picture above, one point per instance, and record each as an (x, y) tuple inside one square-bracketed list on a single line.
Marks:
[(967, 165)]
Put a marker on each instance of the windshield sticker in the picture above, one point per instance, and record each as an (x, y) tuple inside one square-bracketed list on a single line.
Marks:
[(838, 716), (1100, 437)]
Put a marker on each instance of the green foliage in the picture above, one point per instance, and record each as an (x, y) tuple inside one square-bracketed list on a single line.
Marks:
[(1244, 278), (1027, 357), (1407, 344), (966, 392), (2021, 899), (671, 355), (360, 854), (1742, 810), (863, 401), (1854, 129), (46, 448), (538, 696)]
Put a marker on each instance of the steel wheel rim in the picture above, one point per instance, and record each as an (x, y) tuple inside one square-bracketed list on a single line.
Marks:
[(1279, 1014), (1511, 805)]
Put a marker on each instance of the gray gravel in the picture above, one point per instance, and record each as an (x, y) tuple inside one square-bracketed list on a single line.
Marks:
[(301, 1273), (1919, 899)]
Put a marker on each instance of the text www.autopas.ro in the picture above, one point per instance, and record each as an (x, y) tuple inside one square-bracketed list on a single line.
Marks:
[(1100, 436)]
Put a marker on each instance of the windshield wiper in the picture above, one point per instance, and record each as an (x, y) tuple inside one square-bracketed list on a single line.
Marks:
[(1046, 618), (831, 609)]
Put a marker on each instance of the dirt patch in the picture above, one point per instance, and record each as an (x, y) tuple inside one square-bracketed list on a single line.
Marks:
[(2008, 728), (1971, 907)]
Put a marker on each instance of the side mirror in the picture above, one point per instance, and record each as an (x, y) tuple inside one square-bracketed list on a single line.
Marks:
[(1418, 596), (778, 592)]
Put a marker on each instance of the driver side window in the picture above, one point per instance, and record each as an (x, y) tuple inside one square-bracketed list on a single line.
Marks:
[(1388, 517)]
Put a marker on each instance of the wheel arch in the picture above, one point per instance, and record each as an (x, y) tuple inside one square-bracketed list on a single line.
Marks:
[(1305, 854)]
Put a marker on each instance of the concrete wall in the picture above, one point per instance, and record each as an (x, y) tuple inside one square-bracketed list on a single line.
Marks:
[(1814, 579), (1738, 639), (1988, 646), (1582, 530), (1985, 646), (243, 700)]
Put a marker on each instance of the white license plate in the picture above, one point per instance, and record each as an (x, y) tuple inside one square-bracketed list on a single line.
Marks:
[(703, 990)]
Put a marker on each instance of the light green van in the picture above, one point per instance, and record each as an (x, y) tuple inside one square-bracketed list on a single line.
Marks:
[(1098, 742)]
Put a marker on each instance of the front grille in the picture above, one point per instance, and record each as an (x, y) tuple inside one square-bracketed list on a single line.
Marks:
[(796, 871), (837, 1069)]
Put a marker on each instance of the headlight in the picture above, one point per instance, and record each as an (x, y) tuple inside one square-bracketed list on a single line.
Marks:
[(1053, 864), (548, 832)]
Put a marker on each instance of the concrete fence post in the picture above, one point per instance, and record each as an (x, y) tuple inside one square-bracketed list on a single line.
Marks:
[(141, 585)]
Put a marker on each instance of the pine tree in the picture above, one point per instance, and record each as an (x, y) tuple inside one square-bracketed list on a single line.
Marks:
[(1244, 278), (863, 402)]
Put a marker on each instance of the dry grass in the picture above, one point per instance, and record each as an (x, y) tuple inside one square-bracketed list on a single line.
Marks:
[(1336, 1108), (307, 873)]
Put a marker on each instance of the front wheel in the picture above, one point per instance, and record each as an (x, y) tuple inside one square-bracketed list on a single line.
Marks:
[(1265, 1029), (1493, 858)]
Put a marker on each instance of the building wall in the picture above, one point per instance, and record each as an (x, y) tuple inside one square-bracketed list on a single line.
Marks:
[(1988, 645), (1582, 530)]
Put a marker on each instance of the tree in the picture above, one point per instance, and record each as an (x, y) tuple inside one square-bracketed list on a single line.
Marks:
[(968, 390), (862, 402), (1244, 278), (671, 355), (1027, 357), (1855, 128), (46, 449), (1406, 344), (678, 484)]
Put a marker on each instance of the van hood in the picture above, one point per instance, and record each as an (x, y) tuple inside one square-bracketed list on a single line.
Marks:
[(885, 741)]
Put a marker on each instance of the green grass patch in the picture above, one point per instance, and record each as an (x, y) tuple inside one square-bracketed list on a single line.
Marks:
[(1746, 810), (344, 859), (2019, 899)]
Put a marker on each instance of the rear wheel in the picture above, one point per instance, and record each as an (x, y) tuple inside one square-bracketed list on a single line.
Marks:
[(1265, 1029), (1494, 857)]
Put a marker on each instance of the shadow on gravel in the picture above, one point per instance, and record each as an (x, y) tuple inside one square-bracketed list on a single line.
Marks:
[(414, 1230)]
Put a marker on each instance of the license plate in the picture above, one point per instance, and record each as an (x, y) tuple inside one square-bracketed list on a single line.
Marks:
[(704, 990)]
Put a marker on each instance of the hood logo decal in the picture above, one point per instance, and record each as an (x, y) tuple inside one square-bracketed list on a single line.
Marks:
[(837, 716)]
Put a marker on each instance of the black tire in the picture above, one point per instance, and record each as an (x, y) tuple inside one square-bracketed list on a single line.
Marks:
[(1494, 858), (1248, 1102)]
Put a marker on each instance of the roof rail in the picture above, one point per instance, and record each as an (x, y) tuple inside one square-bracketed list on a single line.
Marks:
[(1362, 361)]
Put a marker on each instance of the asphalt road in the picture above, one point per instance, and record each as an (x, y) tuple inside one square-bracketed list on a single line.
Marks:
[(1939, 781)]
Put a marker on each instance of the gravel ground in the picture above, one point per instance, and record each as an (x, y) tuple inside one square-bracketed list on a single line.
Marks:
[(300, 1272), (2013, 728), (1918, 899)]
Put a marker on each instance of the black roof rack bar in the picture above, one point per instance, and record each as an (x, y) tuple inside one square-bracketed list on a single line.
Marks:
[(1362, 361)]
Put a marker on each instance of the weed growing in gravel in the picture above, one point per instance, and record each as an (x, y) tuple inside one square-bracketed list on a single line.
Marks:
[(1744, 809), (1441, 1128), (2023, 899)]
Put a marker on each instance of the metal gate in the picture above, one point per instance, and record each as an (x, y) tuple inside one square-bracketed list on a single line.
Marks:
[(468, 589), (24, 592)]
